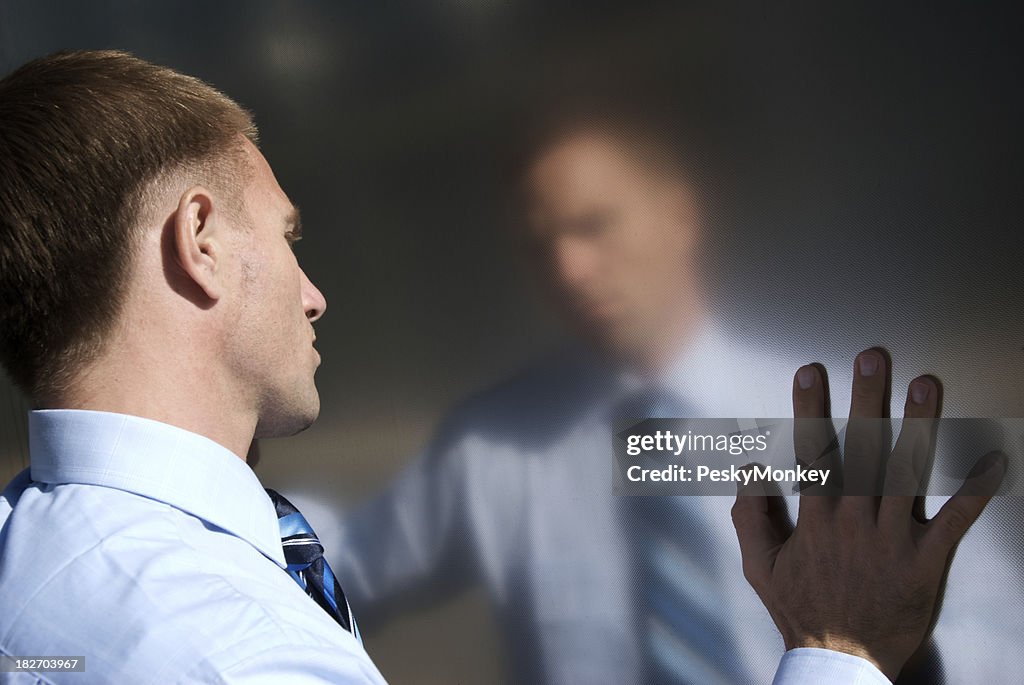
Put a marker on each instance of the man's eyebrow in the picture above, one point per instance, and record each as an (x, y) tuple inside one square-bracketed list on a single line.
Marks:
[(294, 223)]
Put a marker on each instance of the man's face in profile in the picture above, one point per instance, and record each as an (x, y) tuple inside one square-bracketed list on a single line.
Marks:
[(613, 233), (273, 338)]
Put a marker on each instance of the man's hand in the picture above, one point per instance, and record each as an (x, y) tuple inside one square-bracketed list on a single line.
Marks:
[(860, 574)]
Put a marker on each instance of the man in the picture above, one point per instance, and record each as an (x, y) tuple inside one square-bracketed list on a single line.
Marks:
[(514, 492), (156, 316), (152, 309)]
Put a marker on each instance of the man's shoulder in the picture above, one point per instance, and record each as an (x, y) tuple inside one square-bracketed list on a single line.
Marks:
[(144, 587), (550, 392), (79, 521)]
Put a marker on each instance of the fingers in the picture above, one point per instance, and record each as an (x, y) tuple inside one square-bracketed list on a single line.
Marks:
[(813, 438), (870, 372), (762, 526), (808, 393), (962, 509), (907, 465), (866, 436), (922, 399)]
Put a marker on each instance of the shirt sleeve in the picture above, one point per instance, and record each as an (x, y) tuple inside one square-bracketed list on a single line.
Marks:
[(811, 666), (412, 537), (295, 665)]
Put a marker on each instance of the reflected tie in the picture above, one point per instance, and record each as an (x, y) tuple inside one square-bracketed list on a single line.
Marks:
[(684, 636), (306, 564)]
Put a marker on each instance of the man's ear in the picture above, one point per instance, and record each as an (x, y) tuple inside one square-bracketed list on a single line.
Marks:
[(198, 240)]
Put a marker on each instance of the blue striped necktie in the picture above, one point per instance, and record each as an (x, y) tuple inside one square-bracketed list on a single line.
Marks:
[(684, 638), (306, 564)]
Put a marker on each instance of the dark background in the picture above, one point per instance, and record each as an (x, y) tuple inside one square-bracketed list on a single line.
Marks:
[(867, 157)]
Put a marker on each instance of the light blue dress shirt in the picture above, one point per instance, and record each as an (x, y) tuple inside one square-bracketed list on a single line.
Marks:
[(515, 494), (155, 554)]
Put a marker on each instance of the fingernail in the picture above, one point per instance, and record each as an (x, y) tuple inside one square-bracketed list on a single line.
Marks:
[(868, 363), (805, 377), (919, 391)]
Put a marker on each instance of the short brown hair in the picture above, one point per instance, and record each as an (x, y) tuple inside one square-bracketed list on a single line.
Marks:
[(650, 122), (83, 135)]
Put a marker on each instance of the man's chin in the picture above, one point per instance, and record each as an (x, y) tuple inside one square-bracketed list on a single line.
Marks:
[(289, 421), (620, 344)]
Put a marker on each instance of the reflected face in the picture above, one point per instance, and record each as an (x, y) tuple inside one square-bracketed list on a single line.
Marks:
[(613, 234), (273, 340)]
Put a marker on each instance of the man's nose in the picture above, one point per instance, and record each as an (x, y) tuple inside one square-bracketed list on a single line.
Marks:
[(313, 301)]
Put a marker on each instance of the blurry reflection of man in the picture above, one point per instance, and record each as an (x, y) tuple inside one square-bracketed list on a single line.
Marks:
[(515, 490)]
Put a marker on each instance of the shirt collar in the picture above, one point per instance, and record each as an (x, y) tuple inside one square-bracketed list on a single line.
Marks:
[(690, 356), (698, 374), (155, 460)]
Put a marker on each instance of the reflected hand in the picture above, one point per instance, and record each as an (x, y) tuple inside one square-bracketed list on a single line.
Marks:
[(860, 574)]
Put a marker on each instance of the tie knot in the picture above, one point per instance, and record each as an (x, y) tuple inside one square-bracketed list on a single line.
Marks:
[(300, 543), (281, 505), (306, 564)]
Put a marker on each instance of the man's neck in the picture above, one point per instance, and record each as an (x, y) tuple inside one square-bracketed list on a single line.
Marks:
[(196, 406), (665, 343)]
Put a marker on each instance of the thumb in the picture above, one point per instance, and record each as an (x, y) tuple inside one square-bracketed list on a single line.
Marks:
[(963, 509), (762, 526)]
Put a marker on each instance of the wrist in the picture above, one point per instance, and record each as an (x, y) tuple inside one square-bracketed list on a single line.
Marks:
[(844, 645)]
